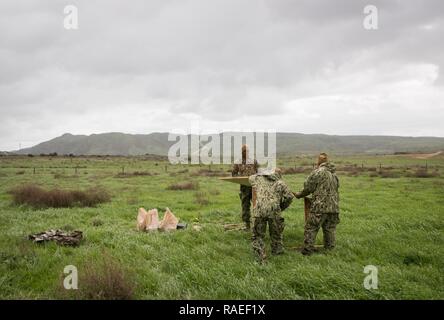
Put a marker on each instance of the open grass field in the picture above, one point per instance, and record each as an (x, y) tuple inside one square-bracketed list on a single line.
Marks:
[(392, 213)]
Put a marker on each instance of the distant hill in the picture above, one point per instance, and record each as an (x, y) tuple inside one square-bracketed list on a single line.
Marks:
[(287, 144)]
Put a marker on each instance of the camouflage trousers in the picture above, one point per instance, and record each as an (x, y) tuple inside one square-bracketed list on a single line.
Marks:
[(245, 195), (275, 227), (328, 222)]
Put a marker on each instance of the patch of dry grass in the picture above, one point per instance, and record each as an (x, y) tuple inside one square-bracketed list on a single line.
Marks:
[(37, 197), (184, 186)]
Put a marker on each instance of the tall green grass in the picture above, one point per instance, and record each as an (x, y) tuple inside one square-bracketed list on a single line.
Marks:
[(395, 224)]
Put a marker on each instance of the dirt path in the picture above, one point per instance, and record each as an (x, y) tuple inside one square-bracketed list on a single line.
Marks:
[(425, 155)]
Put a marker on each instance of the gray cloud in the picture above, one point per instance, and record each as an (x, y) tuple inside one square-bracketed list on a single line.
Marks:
[(142, 66)]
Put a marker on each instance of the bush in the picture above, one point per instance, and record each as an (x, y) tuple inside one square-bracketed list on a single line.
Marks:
[(423, 173), (104, 279), (38, 197), (184, 186), (388, 174), (133, 174), (107, 280)]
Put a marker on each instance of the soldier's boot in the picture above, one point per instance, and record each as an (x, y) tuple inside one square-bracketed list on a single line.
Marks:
[(247, 226), (309, 239), (277, 251), (307, 252)]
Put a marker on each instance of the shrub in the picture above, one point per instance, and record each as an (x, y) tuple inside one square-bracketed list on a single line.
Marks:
[(107, 280), (38, 197), (388, 174), (133, 174), (184, 186), (103, 279), (423, 173)]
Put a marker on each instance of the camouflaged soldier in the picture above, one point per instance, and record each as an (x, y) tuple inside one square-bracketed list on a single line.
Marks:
[(272, 196), (323, 184), (246, 167)]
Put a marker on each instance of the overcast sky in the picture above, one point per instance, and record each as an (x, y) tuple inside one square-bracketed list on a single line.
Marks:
[(297, 66)]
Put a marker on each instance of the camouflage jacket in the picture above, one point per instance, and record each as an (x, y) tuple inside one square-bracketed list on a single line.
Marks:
[(272, 195), (245, 168), (324, 185)]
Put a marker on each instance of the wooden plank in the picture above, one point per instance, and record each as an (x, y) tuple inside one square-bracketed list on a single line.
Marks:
[(239, 180)]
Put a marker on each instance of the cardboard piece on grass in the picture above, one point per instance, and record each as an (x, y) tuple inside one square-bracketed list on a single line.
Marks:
[(169, 221), (152, 222), (141, 219), (149, 221)]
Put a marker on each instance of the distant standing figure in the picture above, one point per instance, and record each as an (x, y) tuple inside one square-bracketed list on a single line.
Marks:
[(246, 167), (272, 196), (323, 184)]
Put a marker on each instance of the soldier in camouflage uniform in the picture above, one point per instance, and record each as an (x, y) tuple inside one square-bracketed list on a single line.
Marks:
[(246, 167), (272, 196), (323, 184)]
